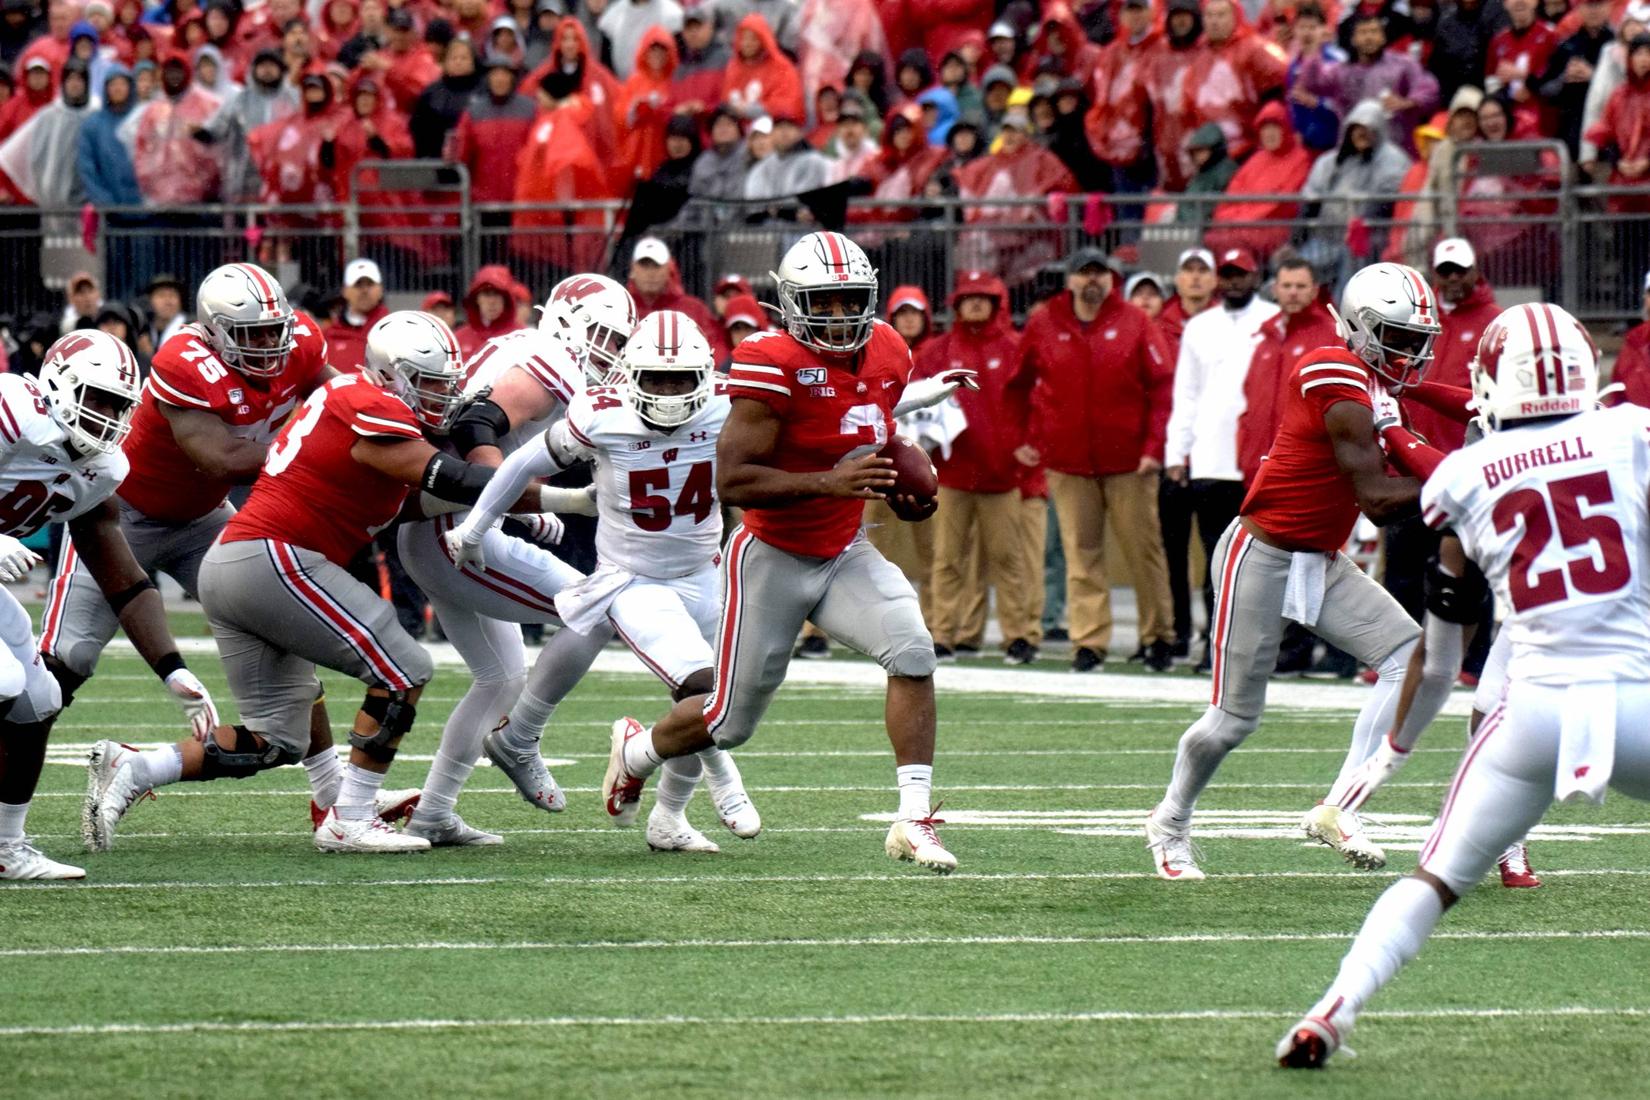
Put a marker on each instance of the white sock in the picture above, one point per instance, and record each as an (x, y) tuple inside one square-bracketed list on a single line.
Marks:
[(447, 777), (677, 780), (158, 767), (11, 821), (326, 775), (916, 791), (528, 718), (719, 766), (641, 759), (355, 797), (1398, 924), (1375, 719)]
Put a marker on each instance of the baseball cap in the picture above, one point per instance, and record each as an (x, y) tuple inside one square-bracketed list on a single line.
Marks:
[(1203, 255), (1139, 279), (1017, 118), (435, 298), (744, 310), (362, 268), (763, 125), (734, 282), (1453, 250), (850, 108), (1002, 28), (37, 63), (82, 278), (1088, 257), (651, 250), (1240, 258), (907, 299)]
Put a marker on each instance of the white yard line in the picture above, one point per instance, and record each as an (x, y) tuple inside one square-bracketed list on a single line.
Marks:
[(850, 941), (547, 1022)]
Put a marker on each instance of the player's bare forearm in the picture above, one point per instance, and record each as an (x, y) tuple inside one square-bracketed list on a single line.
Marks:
[(101, 545), (1383, 499), (210, 446)]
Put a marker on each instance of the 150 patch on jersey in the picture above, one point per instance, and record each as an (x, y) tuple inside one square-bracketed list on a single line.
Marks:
[(810, 376)]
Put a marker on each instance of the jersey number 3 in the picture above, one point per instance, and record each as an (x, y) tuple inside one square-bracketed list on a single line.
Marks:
[(1591, 574), (653, 512)]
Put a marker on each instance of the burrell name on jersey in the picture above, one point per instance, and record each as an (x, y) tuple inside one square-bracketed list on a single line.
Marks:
[(187, 374), (41, 480), (655, 490), (830, 413), (1555, 515)]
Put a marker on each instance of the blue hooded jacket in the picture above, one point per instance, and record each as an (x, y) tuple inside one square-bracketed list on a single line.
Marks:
[(943, 101), (105, 163)]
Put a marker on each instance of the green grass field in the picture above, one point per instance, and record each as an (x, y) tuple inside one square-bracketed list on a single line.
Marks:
[(215, 953)]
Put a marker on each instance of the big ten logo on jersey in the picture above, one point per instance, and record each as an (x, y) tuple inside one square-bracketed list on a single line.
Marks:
[(653, 511)]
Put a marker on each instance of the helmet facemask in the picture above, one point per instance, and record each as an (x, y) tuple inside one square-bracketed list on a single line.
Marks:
[(603, 345), (1399, 353), (258, 349), (834, 319), (433, 396), (668, 397), (99, 420)]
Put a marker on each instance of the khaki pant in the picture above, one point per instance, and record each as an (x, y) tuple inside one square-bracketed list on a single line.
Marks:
[(1034, 540), (988, 528), (908, 545), (1083, 506)]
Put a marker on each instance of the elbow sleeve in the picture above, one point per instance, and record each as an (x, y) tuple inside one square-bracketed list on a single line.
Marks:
[(454, 479), (480, 424)]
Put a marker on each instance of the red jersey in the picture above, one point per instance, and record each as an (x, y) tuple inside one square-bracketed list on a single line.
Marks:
[(185, 374), (1301, 497), (312, 492), (830, 413)]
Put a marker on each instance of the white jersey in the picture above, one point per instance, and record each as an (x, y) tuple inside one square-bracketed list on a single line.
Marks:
[(1555, 515), (548, 360), (41, 480), (655, 490)]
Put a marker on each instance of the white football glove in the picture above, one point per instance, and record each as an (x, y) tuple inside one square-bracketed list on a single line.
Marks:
[(462, 548), (1387, 413), (544, 528), (186, 687), (15, 560), (1382, 764)]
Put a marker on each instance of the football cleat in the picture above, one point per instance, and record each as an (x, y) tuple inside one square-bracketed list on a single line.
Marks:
[(1341, 830), (373, 835), (1309, 1044), (111, 788), (392, 806), (21, 860), (1173, 857), (672, 833), (916, 842), (532, 779), (733, 805), (1514, 866), (452, 833), (621, 791)]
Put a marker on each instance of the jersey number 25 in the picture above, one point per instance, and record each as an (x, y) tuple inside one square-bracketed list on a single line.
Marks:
[(1589, 574)]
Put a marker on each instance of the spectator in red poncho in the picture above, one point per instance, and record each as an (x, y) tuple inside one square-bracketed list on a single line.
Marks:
[(592, 82), (491, 133), (1278, 167), (172, 167), (906, 162), (941, 26), (264, 24), (559, 163), (759, 80), (287, 152), (364, 307), (404, 65), (489, 308), (832, 34), (1061, 43), (1301, 324), (1235, 71), (1517, 58), (646, 104), (1019, 169), (656, 285), (36, 89), (908, 314), (1623, 132), (472, 17), (1632, 367), (1116, 124), (339, 22), (1166, 78), (370, 128)]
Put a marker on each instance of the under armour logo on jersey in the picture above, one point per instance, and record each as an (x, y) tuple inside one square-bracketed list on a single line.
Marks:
[(698, 437), (670, 456)]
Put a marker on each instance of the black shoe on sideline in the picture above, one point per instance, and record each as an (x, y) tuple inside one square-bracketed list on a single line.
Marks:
[(1086, 660), (1160, 656), (814, 648), (1020, 652), (943, 654)]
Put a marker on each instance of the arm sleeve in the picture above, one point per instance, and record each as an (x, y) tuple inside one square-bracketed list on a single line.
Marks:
[(1451, 401), (507, 485), (1411, 456)]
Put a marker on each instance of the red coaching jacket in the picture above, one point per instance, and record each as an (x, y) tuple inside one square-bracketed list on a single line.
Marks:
[(1104, 388), (1283, 340), (982, 459), (1452, 363)]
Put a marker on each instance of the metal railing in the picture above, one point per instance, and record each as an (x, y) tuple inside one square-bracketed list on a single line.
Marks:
[(1536, 234)]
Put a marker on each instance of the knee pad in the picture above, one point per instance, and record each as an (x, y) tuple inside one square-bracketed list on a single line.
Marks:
[(14, 680), (1460, 600), (394, 716), (249, 756), (1218, 730), (31, 697), (911, 653), (727, 738), (68, 680)]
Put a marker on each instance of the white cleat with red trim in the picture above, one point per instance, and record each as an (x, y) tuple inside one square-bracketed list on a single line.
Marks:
[(22, 861), (668, 832), (621, 791), (1173, 857), (111, 789), (916, 842), (1309, 1044), (1341, 830), (392, 806), (373, 835)]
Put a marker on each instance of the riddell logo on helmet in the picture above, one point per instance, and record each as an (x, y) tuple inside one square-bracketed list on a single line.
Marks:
[(1548, 406)]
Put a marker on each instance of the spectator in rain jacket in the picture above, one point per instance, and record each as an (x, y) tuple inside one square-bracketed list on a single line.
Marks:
[(781, 17), (1343, 181), (105, 165), (1214, 170), (760, 80), (172, 167), (492, 131), (1166, 78), (265, 97), (1405, 91), (719, 173), (36, 88), (645, 104), (559, 164), (443, 103), (833, 33), (1279, 166), (696, 85), (1116, 123), (1235, 71), (592, 82), (940, 26), (489, 308), (1624, 131), (1060, 47), (629, 24)]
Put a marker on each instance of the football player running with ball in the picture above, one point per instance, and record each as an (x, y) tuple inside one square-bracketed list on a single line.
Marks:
[(1281, 558), (811, 408), (60, 461), (1551, 505), (653, 439)]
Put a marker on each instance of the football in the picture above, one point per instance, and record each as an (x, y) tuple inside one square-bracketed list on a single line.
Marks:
[(914, 473)]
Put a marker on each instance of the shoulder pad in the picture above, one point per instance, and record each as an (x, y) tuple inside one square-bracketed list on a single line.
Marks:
[(24, 414)]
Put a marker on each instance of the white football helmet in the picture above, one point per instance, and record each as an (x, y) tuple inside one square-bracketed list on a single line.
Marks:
[(667, 344), (1389, 319), (1534, 361), (416, 357), (819, 274), (595, 314), (247, 319), (91, 384)]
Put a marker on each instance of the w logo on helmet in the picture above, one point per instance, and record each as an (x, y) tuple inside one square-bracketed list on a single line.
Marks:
[(577, 289)]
